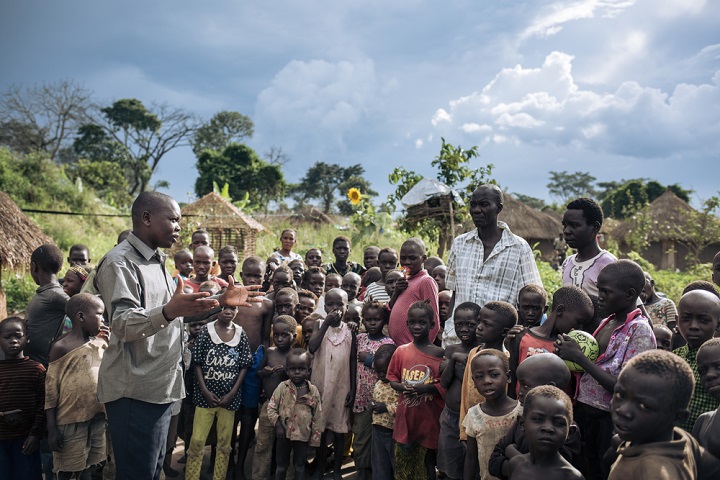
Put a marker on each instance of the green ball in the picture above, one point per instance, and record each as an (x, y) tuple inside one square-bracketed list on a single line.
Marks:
[(588, 346)]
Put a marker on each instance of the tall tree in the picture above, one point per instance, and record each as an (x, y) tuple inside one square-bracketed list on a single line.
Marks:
[(221, 130), (632, 195), (146, 135), (43, 118), (244, 172), (323, 180), (565, 186)]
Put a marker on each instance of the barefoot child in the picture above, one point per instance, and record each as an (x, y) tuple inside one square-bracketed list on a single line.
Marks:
[(334, 373), (538, 370), (414, 372), (547, 421), (374, 318), (75, 419), (451, 453), (488, 422), (384, 405), (295, 410), (272, 372), (221, 356), (22, 401), (649, 403)]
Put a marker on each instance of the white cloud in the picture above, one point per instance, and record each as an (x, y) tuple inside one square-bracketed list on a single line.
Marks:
[(419, 143), (546, 106)]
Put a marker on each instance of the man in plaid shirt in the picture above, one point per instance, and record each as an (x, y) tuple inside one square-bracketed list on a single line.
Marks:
[(489, 263)]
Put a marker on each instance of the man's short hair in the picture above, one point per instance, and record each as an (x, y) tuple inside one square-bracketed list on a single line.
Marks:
[(148, 202), (590, 208), (676, 373), (48, 258)]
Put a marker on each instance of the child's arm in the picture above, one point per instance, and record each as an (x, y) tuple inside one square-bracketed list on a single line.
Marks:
[(31, 443), (504, 450), (350, 398), (266, 324), (317, 426), (567, 349), (471, 459), (227, 399), (319, 334), (273, 407), (209, 396), (54, 438)]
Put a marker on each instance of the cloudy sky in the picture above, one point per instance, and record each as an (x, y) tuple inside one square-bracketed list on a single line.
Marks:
[(617, 88)]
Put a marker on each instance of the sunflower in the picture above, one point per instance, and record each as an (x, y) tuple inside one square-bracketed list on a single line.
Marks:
[(354, 196)]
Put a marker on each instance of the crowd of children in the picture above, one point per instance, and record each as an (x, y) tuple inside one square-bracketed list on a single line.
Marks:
[(344, 359)]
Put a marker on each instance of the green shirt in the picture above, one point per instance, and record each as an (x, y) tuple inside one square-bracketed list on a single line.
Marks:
[(701, 400)]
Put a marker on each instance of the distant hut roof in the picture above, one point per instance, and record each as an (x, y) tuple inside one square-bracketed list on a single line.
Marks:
[(218, 212), (20, 235), (553, 213), (528, 222), (667, 216), (309, 214)]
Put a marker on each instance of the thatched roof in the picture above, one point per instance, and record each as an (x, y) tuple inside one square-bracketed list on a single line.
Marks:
[(528, 222), (20, 235), (309, 214), (216, 212), (665, 218)]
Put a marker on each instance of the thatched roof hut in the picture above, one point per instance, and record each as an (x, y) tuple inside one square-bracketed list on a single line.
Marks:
[(20, 237), (226, 224), (665, 220), (531, 224)]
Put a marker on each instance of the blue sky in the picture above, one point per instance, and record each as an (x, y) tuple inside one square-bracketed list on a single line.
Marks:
[(618, 88)]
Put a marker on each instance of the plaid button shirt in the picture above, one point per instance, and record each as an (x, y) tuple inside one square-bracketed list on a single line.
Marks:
[(701, 400), (509, 267)]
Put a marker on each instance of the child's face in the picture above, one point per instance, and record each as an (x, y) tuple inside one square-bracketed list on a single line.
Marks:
[(92, 318), (252, 273), (612, 296), (716, 270), (663, 338), (288, 240), (528, 377), (390, 281), (285, 304), (228, 263), (412, 257), (444, 300), (195, 328), (200, 240), (353, 314), (298, 269), (305, 307), (341, 250), (438, 274), (210, 290), (647, 290), (531, 308), (72, 284), (490, 327), (370, 258), (334, 302), (79, 257), (489, 376), (697, 318), (374, 321), (567, 320), (184, 263), (641, 407), (381, 367), (202, 263), (419, 323), (332, 281), (387, 261), (576, 230), (281, 280), (228, 314), (465, 325), (13, 339), (316, 283), (307, 330), (546, 424), (283, 335), (313, 258), (297, 369), (708, 360), (351, 285)]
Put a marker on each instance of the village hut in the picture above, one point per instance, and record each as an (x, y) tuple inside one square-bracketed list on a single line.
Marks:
[(226, 224), (665, 220), (534, 226), (20, 238)]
